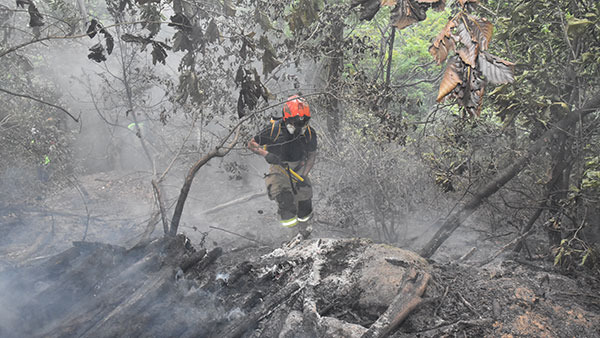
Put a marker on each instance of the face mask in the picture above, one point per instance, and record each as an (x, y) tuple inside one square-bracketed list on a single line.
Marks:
[(290, 128)]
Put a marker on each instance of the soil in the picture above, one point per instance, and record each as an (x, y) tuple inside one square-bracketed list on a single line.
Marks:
[(81, 243)]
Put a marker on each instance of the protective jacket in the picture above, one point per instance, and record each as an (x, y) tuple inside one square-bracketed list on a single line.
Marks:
[(294, 200)]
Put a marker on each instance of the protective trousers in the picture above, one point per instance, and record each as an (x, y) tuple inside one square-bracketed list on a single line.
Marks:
[(294, 202)]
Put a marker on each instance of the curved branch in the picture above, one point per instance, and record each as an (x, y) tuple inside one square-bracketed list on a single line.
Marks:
[(218, 151), (67, 37), (76, 119)]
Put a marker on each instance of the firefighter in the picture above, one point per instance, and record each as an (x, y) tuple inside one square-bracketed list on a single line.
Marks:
[(39, 148), (289, 145)]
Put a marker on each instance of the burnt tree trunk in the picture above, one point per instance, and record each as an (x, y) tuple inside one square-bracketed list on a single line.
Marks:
[(218, 151), (459, 216), (555, 189), (558, 187)]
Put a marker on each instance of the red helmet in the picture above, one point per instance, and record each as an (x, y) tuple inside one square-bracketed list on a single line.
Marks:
[(296, 107)]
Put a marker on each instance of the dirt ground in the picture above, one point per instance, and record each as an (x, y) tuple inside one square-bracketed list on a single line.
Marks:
[(509, 297)]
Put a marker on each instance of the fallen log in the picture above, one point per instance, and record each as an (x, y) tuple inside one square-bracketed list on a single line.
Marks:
[(409, 297), (210, 258), (192, 260), (237, 328), (311, 320), (241, 270)]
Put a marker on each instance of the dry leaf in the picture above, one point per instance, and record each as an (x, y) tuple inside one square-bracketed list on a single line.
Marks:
[(443, 44), (469, 55), (452, 77), (495, 70)]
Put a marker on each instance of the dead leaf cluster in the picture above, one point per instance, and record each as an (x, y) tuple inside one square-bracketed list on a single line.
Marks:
[(471, 68)]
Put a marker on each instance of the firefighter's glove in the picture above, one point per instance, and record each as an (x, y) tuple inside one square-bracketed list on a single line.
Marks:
[(272, 158)]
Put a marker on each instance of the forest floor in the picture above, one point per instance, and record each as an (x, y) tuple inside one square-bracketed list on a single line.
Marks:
[(509, 297)]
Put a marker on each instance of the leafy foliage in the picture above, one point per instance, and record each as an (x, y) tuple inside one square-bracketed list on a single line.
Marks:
[(473, 67), (251, 90), (466, 75), (34, 139), (35, 17), (97, 50), (97, 53)]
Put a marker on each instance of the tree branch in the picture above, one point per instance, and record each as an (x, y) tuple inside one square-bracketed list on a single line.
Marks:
[(218, 151), (76, 119), (461, 215), (67, 37)]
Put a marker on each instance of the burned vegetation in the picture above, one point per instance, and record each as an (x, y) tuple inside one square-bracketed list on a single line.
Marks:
[(305, 288)]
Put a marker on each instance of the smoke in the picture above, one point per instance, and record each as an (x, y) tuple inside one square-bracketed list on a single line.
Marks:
[(103, 192)]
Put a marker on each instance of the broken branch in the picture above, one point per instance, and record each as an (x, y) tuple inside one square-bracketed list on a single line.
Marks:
[(458, 217), (409, 297)]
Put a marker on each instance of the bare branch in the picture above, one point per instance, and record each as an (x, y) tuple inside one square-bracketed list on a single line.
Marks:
[(68, 37), (76, 119), (218, 151)]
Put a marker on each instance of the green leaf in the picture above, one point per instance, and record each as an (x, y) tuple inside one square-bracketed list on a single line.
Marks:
[(577, 26), (585, 257), (558, 256)]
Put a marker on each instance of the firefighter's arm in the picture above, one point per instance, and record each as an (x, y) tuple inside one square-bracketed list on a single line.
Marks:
[(310, 162), (256, 148)]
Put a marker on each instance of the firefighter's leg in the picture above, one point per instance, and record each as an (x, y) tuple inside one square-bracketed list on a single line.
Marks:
[(287, 208), (278, 189), (304, 198), (304, 210)]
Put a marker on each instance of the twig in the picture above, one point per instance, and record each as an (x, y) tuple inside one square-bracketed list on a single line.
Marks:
[(68, 37), (236, 234), (237, 328), (498, 236), (409, 297), (460, 323), (505, 247), (441, 301), (219, 151), (76, 119), (161, 205), (235, 201), (468, 305), (467, 255)]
